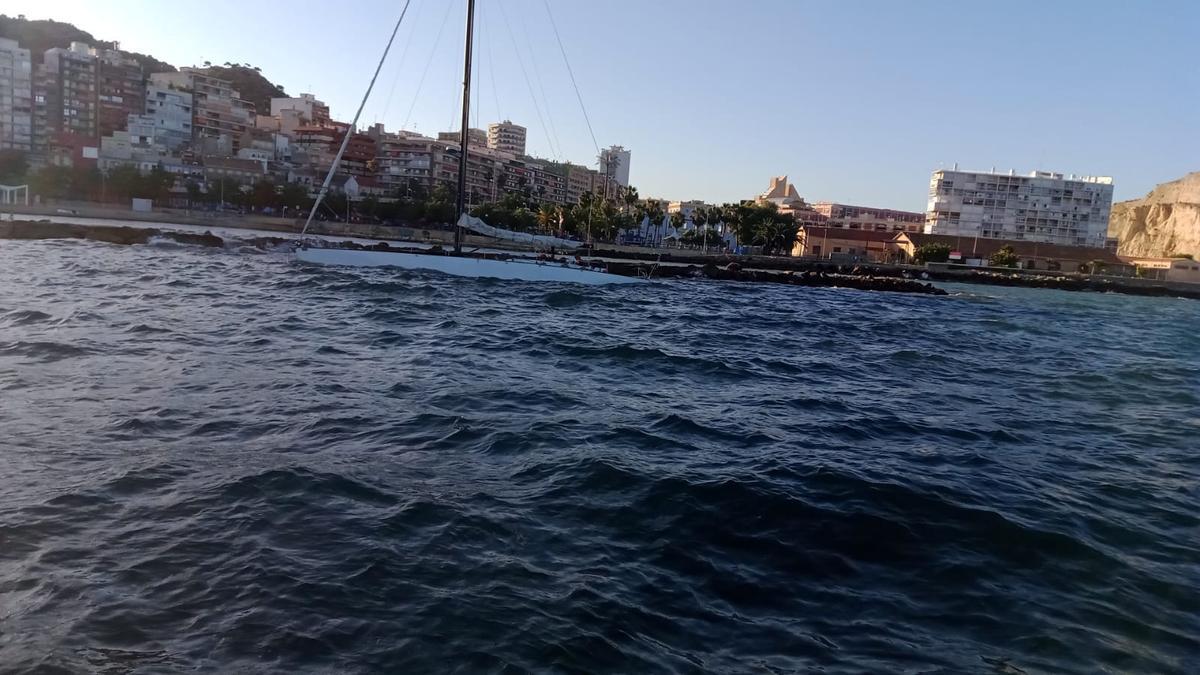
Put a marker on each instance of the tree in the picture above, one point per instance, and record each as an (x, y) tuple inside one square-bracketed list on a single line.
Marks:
[(14, 166), (195, 196), (931, 253), (263, 195), (630, 196), (547, 216), (678, 219), (1185, 256), (762, 225), (294, 196), (1005, 257)]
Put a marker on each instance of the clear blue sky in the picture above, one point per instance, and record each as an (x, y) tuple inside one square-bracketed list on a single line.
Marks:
[(857, 101)]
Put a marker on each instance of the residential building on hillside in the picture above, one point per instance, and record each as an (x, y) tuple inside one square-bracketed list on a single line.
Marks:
[(171, 110), (65, 110), (220, 116), (1041, 206), (16, 96), (120, 89), (138, 143), (507, 137), (614, 162), (404, 160), (319, 145), (306, 107), (244, 171)]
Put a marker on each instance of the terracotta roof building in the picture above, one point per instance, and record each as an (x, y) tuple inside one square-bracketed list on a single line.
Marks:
[(843, 243)]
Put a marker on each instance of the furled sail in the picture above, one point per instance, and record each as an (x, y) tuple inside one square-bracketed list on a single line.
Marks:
[(476, 225)]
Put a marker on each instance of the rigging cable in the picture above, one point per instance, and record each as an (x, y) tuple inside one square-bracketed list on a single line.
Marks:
[(399, 68), (478, 65), (524, 72), (350, 130), (432, 53), (492, 76), (538, 78), (572, 74)]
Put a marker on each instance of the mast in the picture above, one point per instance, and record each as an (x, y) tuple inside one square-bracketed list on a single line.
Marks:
[(464, 140)]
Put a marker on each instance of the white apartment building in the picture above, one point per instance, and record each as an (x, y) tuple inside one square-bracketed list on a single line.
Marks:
[(307, 105), (507, 137), (1041, 206), (614, 162), (16, 96)]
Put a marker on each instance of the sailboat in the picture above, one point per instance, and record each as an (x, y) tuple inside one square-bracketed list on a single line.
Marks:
[(456, 263)]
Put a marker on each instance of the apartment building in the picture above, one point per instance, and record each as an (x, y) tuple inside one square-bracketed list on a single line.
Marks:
[(16, 96), (507, 137), (65, 104), (477, 138), (306, 107), (120, 89), (830, 214), (546, 184), (220, 116), (614, 162), (171, 110), (1040, 206)]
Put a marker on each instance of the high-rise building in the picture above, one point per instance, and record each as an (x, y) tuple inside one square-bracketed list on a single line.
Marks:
[(614, 162), (1041, 206), (220, 116), (121, 89), (16, 96), (65, 108), (507, 137)]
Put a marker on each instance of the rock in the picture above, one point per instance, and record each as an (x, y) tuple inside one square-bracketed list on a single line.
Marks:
[(1165, 222)]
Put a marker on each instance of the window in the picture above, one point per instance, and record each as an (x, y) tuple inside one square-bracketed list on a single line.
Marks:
[(837, 249)]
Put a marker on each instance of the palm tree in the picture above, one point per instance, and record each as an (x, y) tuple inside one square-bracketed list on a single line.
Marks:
[(654, 212), (630, 196), (700, 220), (547, 215)]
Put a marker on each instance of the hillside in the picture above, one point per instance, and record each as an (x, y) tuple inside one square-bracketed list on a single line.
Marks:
[(1163, 223), (249, 82), (39, 35)]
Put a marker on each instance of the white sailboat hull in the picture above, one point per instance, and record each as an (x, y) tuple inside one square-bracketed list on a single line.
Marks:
[(463, 266)]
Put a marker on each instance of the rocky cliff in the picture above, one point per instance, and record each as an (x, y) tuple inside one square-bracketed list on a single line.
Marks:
[(1163, 223)]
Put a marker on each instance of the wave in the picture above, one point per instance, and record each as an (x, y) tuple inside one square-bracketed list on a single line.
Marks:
[(43, 351), (23, 317)]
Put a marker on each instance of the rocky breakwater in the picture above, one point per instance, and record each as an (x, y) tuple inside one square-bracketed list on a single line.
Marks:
[(113, 234), (1164, 223), (812, 278)]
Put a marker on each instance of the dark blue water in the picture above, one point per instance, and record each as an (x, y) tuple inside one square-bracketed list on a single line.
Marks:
[(219, 461)]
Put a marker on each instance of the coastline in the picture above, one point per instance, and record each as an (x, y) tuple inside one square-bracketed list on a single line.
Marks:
[(626, 260)]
